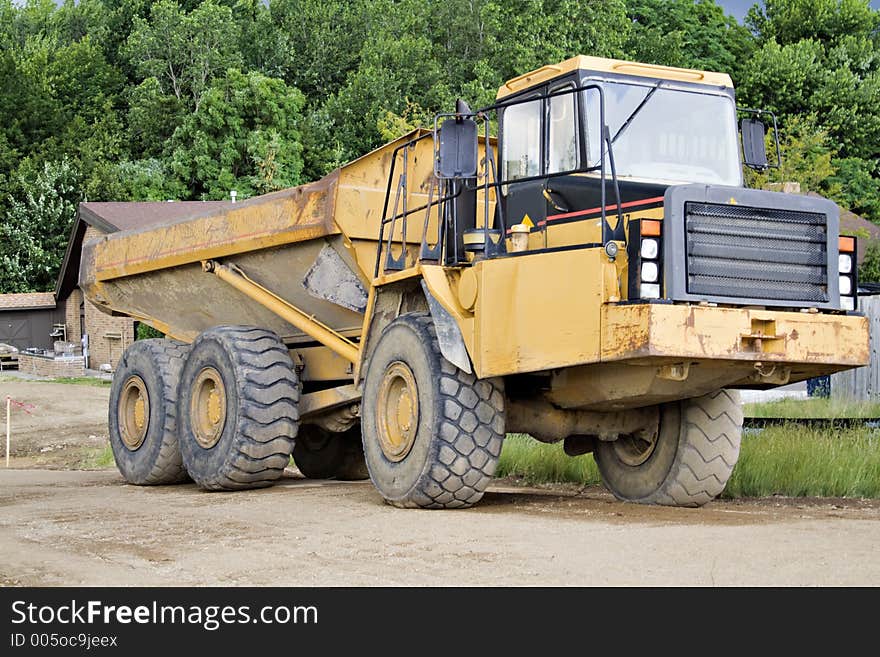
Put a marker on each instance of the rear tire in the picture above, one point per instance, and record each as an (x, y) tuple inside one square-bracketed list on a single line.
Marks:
[(432, 433), (696, 448), (143, 413), (238, 408)]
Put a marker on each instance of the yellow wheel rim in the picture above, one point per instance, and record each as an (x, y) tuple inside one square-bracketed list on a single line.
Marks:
[(134, 412), (208, 407), (398, 411)]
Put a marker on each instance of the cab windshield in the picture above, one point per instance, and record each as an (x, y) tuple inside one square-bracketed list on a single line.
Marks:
[(666, 134)]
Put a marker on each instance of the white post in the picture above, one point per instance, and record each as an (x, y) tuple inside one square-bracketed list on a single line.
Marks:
[(8, 426)]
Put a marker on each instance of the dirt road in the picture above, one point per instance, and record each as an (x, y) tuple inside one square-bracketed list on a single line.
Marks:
[(88, 528), (65, 426), (68, 527)]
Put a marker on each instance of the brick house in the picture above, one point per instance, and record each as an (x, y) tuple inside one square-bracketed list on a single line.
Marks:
[(40, 319)]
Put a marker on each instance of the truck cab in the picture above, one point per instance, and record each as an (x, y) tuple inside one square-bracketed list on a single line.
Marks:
[(666, 127)]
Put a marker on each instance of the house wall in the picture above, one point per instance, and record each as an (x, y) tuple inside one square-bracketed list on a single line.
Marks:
[(71, 316), (29, 328), (108, 336), (53, 367)]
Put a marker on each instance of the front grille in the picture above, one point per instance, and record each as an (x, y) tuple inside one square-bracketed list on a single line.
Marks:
[(756, 253)]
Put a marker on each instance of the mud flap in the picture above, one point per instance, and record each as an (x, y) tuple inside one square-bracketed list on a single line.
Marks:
[(448, 334)]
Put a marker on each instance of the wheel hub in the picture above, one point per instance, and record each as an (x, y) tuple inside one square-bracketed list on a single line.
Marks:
[(208, 407), (134, 412), (635, 449), (398, 411)]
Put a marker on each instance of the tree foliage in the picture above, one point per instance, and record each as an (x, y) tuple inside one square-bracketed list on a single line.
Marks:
[(39, 215), (244, 138), (869, 270), (189, 99)]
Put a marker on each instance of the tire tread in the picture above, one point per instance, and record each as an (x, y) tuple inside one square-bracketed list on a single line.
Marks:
[(459, 476), (268, 416)]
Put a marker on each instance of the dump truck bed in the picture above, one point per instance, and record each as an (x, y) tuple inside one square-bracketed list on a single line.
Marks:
[(312, 245)]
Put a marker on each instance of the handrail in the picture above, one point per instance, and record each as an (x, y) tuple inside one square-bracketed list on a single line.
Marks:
[(606, 152)]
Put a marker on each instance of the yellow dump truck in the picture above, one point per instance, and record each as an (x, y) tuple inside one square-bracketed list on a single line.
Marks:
[(597, 273)]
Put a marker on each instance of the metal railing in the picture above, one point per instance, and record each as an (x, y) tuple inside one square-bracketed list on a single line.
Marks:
[(486, 179)]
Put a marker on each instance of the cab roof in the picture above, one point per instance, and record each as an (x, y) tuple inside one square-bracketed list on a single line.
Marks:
[(621, 67)]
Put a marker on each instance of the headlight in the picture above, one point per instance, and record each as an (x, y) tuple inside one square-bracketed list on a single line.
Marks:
[(644, 252), (845, 285), (844, 263), (847, 303)]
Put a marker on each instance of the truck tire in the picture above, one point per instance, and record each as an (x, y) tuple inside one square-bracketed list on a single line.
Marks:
[(238, 408), (143, 413), (691, 460), (322, 454), (432, 433)]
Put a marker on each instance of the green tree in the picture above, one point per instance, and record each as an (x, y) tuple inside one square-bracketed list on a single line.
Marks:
[(790, 21), (314, 44), (141, 180), (184, 51), (869, 270), (244, 137), (687, 33), (36, 225), (822, 57), (858, 185), (808, 155)]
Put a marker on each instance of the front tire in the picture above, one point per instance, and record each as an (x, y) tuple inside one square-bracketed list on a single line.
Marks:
[(689, 463), (432, 433), (143, 416), (238, 408)]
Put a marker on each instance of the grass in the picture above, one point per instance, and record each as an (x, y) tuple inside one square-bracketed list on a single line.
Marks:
[(788, 460), (97, 458), (801, 461), (82, 381), (540, 463), (813, 407), (71, 380)]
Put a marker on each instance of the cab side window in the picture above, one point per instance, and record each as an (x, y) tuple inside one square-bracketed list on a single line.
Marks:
[(521, 156), (563, 148)]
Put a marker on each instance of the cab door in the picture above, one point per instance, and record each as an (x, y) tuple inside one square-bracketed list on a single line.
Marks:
[(522, 161)]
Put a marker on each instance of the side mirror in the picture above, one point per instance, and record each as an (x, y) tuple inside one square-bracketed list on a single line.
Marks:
[(754, 150), (457, 153)]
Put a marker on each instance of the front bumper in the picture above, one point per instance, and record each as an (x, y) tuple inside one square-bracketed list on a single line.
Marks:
[(830, 341)]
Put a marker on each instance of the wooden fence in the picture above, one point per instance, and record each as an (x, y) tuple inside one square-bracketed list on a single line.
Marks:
[(863, 383)]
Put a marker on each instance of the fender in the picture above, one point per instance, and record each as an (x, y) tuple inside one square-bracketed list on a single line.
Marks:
[(449, 335)]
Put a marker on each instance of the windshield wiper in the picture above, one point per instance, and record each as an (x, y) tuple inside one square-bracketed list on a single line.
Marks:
[(638, 109)]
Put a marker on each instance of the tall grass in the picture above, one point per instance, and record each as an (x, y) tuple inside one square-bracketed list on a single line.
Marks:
[(787, 460), (801, 461), (538, 463), (813, 407)]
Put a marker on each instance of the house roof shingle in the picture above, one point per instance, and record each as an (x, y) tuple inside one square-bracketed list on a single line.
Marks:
[(27, 301)]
